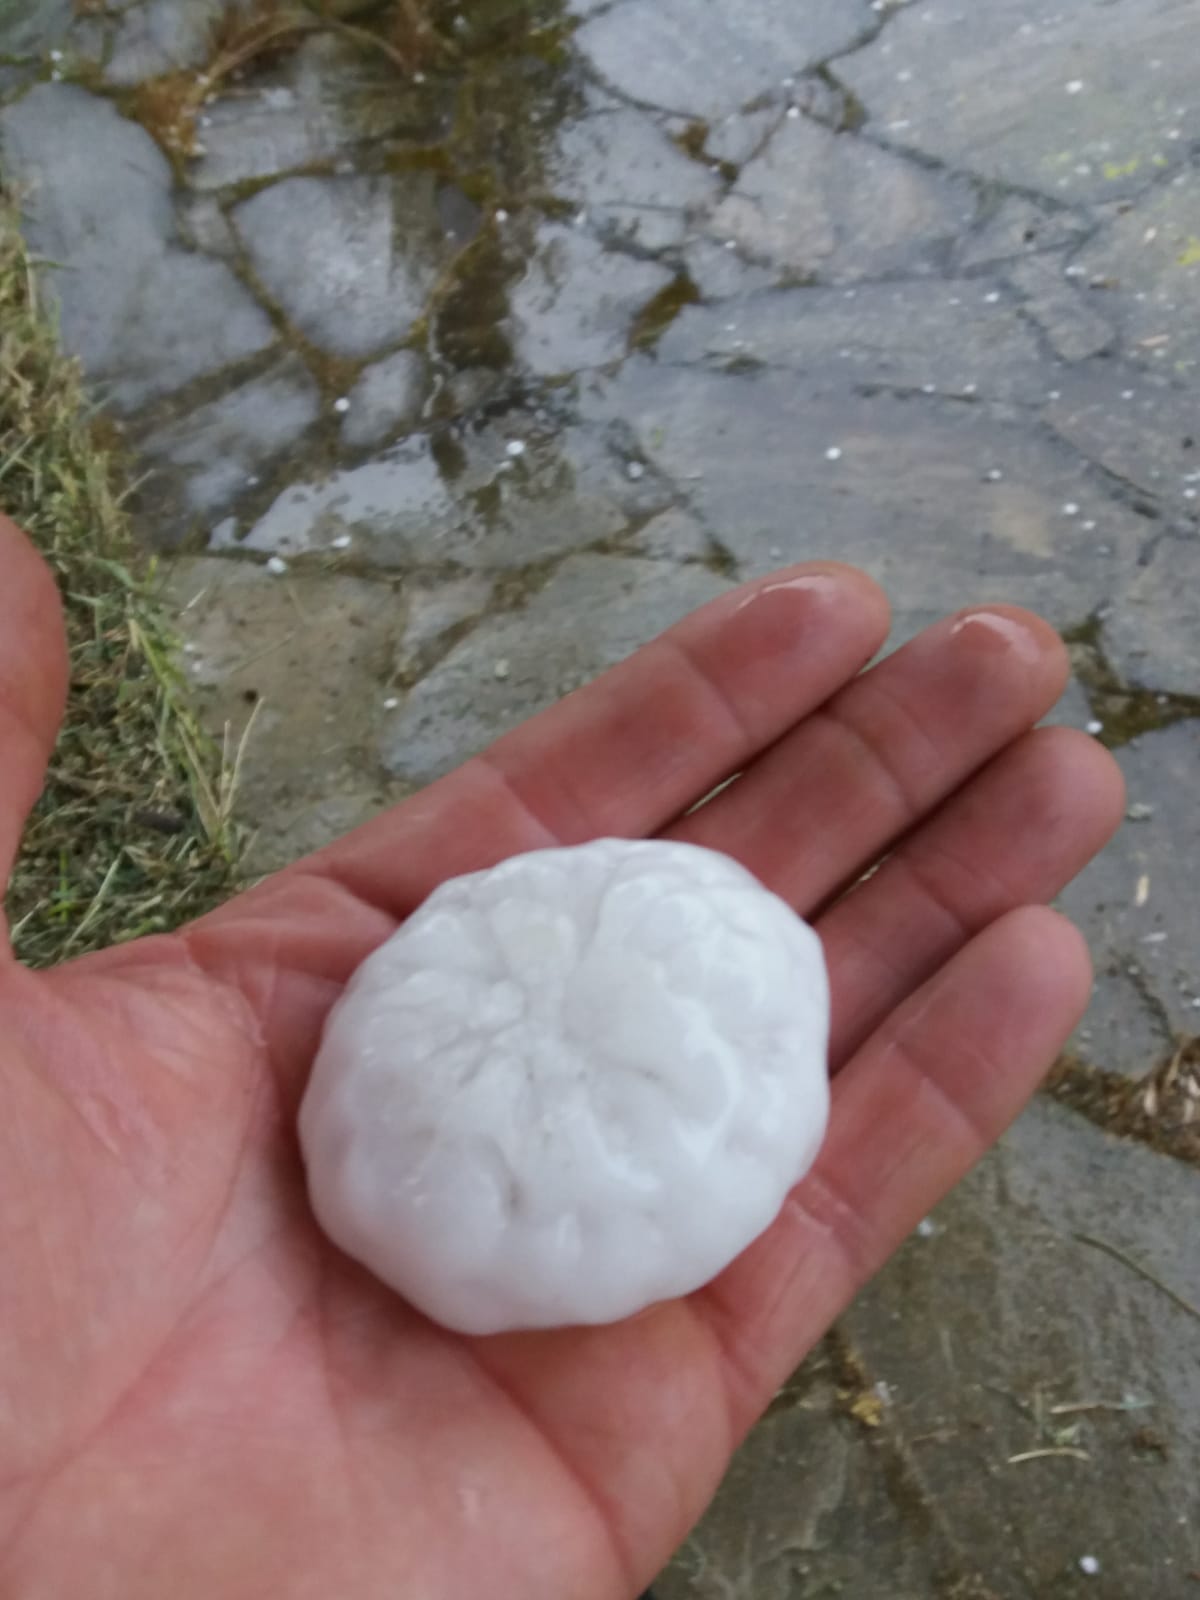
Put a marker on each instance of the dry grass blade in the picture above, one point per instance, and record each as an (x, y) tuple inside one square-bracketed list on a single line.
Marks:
[(134, 833)]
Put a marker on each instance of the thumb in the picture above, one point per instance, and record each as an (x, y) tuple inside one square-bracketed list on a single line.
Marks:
[(33, 682)]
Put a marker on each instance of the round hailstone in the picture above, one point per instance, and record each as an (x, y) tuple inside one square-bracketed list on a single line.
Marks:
[(570, 1086)]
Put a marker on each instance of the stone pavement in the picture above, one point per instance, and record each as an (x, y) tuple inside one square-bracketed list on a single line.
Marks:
[(457, 366)]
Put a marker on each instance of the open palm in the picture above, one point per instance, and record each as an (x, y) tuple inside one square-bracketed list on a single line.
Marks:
[(199, 1395)]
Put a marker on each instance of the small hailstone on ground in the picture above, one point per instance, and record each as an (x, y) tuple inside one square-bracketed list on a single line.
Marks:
[(391, 703), (793, 113), (342, 542), (1075, 86), (515, 448), (1089, 1565), (1070, 509), (1095, 727), (277, 566), (926, 1228), (570, 1086), (635, 470), (501, 670), (834, 453), (341, 406), (992, 298), (993, 475), (501, 214)]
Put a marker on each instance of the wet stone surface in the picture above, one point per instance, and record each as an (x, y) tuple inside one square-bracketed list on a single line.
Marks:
[(455, 379)]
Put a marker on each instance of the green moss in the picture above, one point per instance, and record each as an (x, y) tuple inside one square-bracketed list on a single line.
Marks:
[(657, 315), (1125, 712)]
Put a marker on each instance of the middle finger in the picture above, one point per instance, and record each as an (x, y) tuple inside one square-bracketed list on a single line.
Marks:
[(821, 805)]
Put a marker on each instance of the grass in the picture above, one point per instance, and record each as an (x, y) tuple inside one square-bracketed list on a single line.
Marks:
[(134, 832)]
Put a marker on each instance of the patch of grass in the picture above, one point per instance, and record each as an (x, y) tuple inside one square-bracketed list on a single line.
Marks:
[(134, 833)]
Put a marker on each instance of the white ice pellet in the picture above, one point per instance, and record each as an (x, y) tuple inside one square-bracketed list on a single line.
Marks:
[(276, 566), (570, 1086)]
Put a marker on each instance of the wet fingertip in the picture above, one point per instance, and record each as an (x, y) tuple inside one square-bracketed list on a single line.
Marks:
[(1009, 630)]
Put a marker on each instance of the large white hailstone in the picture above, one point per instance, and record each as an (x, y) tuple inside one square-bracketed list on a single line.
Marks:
[(571, 1086)]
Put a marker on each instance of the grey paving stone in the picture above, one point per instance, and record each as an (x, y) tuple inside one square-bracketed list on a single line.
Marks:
[(1149, 255), (814, 1504), (1152, 632), (673, 535), (592, 613), (162, 36), (1017, 228), (627, 174), (959, 336), (29, 27), (436, 609), (1156, 943), (1072, 324), (144, 315), (325, 249), (1003, 1313), (705, 60), (202, 461), (318, 104), (1078, 105), (1140, 427), (494, 500), (816, 202), (387, 398), (310, 657), (576, 305), (908, 493)]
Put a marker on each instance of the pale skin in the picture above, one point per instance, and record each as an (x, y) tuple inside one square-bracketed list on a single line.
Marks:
[(200, 1396)]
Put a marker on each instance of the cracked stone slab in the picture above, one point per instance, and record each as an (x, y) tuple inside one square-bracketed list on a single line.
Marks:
[(326, 251), (28, 29), (143, 315), (1152, 632), (324, 99), (630, 178), (203, 460), (783, 470), (819, 203), (386, 399), (310, 657), (706, 61), (1084, 106), (593, 612), (1149, 255), (1073, 326), (789, 1519), (998, 1313), (1157, 941), (162, 36), (436, 611), (957, 338), (496, 499), (1018, 228), (1137, 426), (577, 303)]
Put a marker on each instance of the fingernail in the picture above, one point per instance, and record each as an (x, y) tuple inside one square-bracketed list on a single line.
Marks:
[(810, 582), (1006, 631)]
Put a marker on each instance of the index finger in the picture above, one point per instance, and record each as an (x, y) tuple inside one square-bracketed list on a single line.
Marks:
[(636, 747)]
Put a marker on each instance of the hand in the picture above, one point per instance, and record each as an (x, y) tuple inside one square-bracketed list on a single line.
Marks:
[(201, 1396)]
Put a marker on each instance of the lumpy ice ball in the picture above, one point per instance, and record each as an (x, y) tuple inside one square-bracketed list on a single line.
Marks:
[(570, 1086)]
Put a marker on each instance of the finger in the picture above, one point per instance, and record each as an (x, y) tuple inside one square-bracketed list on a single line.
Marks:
[(33, 681), (916, 1107), (634, 748), (1015, 836), (816, 810)]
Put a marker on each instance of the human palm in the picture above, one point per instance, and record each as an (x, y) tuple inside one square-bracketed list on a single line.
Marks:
[(200, 1395)]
